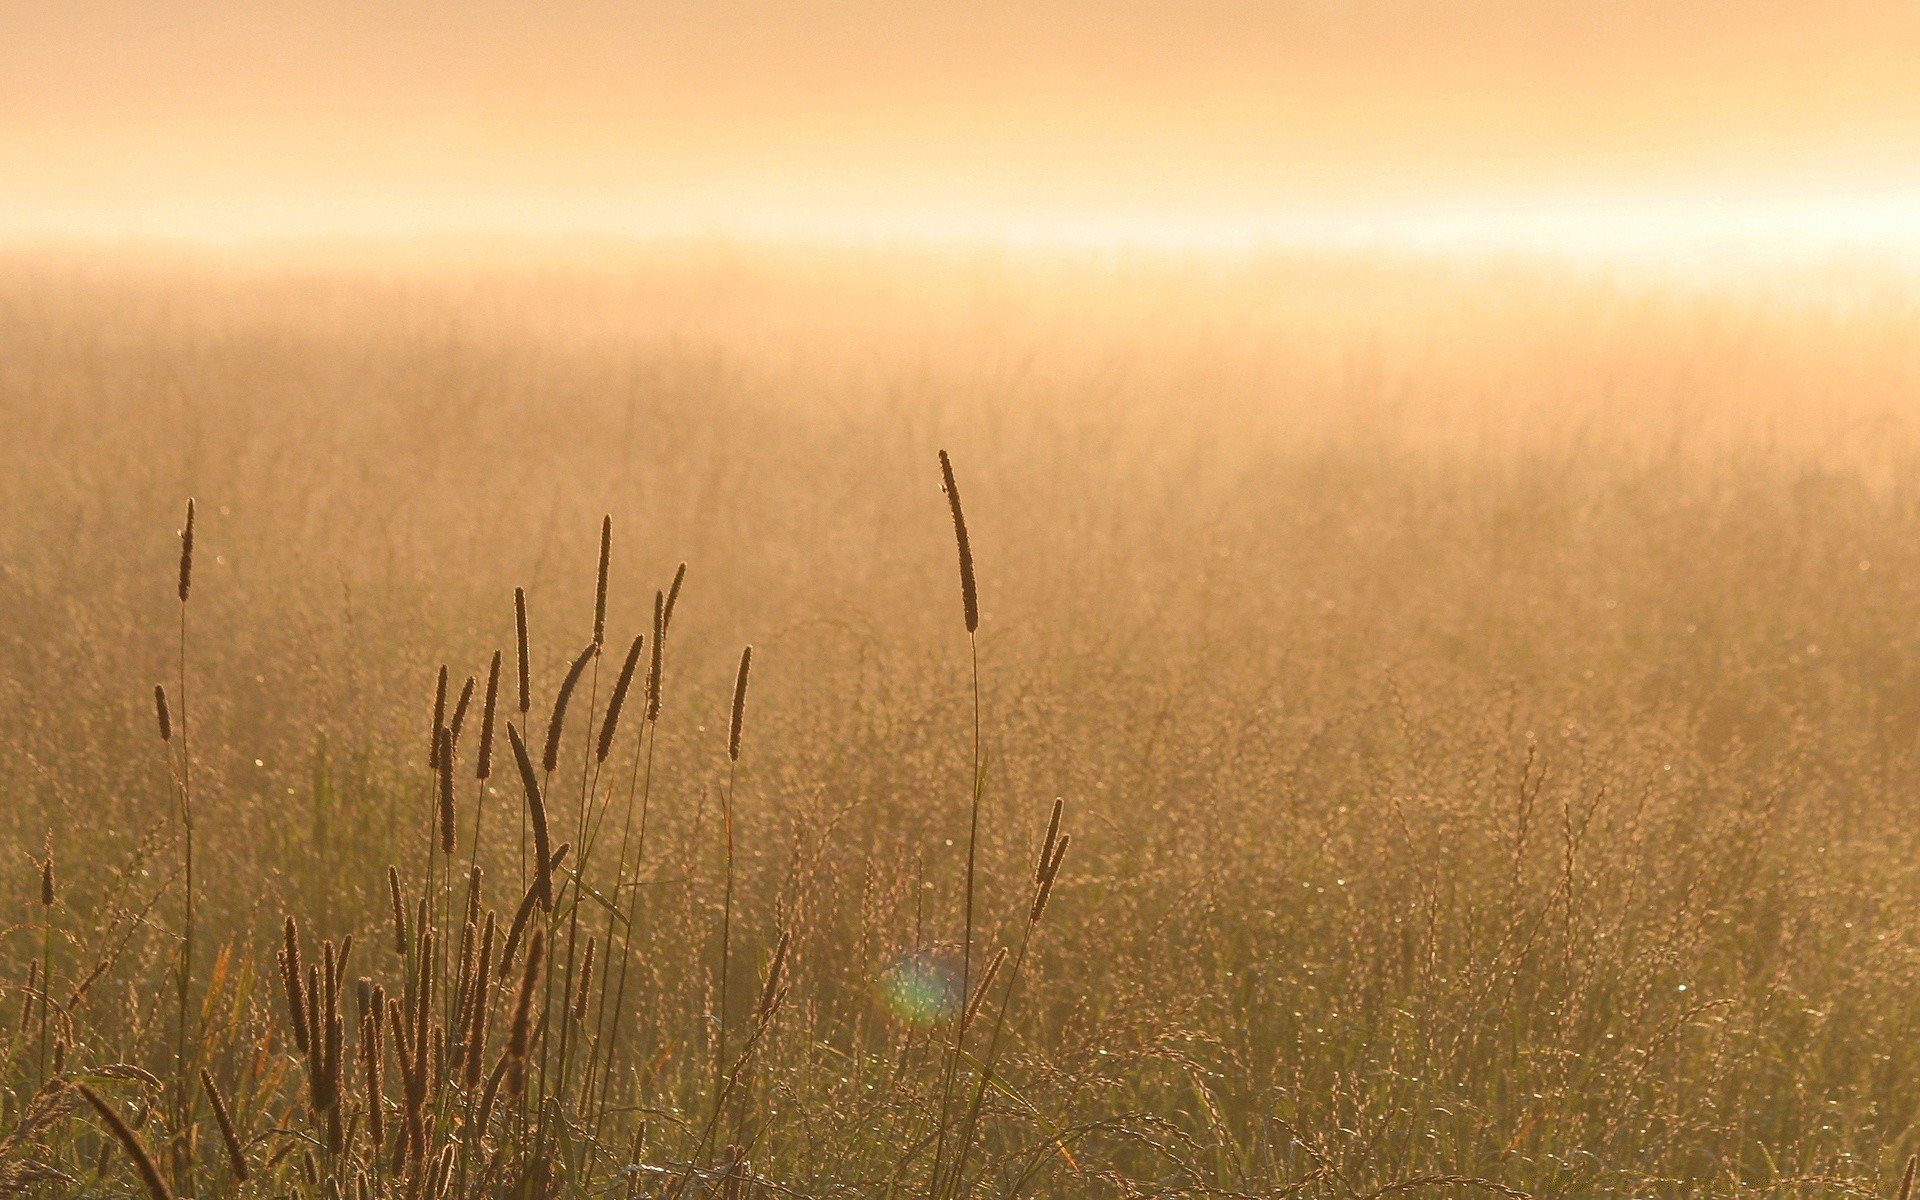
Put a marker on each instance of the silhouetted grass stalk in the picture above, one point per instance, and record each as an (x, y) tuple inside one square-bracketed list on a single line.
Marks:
[(1053, 850), (726, 903), (613, 1016), (184, 1105), (970, 611)]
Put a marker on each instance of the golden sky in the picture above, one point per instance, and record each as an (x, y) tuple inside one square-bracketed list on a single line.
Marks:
[(1075, 119)]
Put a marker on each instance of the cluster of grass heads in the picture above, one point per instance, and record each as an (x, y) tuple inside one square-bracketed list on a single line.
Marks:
[(1531, 818), (499, 1069)]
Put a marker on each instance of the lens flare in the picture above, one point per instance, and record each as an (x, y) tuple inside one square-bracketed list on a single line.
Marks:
[(922, 987)]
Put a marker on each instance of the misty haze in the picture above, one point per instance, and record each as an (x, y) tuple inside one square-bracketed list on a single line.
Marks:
[(755, 600)]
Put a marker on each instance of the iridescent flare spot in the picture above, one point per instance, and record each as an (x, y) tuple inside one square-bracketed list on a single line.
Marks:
[(922, 987)]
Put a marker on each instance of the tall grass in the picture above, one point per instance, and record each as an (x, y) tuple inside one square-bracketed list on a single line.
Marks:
[(428, 1025), (1513, 813)]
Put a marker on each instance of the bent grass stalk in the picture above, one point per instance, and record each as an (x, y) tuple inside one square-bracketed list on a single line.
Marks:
[(130, 1142), (229, 1137)]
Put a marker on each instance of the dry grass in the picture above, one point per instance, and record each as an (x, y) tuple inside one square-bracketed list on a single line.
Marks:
[(1485, 705)]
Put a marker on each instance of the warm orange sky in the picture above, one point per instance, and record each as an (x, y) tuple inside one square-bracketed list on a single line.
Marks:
[(1092, 118)]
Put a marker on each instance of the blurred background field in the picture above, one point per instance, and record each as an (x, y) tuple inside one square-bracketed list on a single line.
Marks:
[(1485, 691)]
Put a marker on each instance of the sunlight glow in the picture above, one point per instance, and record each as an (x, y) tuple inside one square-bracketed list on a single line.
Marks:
[(1644, 227)]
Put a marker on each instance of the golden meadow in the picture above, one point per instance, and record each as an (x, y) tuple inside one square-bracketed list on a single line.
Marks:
[(1482, 699)]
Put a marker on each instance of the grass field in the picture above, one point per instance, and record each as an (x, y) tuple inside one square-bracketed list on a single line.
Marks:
[(1484, 698)]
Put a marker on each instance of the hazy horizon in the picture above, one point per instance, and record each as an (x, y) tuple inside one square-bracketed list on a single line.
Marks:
[(1485, 123)]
